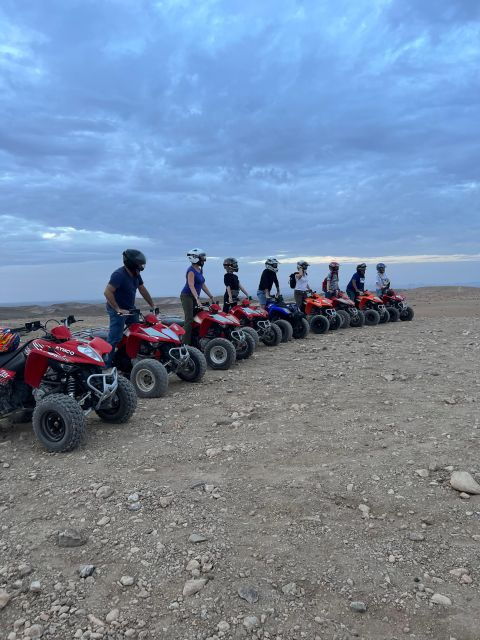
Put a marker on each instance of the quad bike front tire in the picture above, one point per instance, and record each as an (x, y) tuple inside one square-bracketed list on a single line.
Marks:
[(357, 320), (372, 317), (150, 378), (318, 324), (58, 423), (407, 314), (272, 336), (220, 353), (301, 329), (345, 318), (246, 348), (195, 368), (393, 313), (384, 317), (254, 335), (123, 403), (335, 322), (286, 329)]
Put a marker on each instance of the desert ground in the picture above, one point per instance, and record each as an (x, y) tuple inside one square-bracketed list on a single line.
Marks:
[(303, 494)]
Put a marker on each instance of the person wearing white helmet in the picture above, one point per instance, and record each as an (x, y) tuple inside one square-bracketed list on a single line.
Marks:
[(383, 281), (190, 294), (268, 279), (302, 285)]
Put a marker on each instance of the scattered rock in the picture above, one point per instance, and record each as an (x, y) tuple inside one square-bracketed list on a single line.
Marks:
[(127, 581), (166, 501), (86, 570), (416, 537), (197, 537), (249, 594), (250, 622), (71, 538), (35, 631), (290, 589), (423, 473), (458, 573), (35, 586), (223, 626), (134, 506), (24, 570), (464, 482), (466, 579), (358, 606), (193, 565), (5, 598), (365, 509), (437, 598), (103, 521), (464, 496), (104, 492), (192, 587), (133, 497), (213, 451), (112, 616)]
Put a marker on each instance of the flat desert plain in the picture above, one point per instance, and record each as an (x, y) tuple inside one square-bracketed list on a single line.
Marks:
[(303, 494)]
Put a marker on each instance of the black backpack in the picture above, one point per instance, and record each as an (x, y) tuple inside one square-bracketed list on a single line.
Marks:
[(292, 280)]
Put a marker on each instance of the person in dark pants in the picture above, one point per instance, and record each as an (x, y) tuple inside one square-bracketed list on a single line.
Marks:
[(268, 279), (232, 284), (121, 292), (190, 294), (357, 282)]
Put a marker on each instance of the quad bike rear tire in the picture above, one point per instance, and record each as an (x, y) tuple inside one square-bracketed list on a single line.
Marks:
[(301, 330), (318, 323), (384, 317), (150, 378), (124, 403), (196, 367), (407, 314), (372, 317), (220, 354), (357, 320), (393, 313), (286, 329), (272, 336), (251, 332), (345, 318), (246, 348), (58, 423), (335, 322)]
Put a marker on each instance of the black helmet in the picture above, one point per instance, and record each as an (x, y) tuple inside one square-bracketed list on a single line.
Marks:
[(134, 260), (361, 267)]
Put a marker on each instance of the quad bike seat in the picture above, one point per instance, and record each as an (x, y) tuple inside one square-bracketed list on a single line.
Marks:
[(15, 359), (168, 320), (88, 334)]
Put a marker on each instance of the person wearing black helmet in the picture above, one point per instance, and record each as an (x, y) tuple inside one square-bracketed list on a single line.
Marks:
[(121, 292), (357, 282), (233, 286)]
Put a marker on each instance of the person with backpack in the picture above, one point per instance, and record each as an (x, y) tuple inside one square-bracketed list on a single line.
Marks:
[(232, 284), (190, 294), (267, 280), (383, 281), (331, 284), (299, 282), (357, 282), (121, 292)]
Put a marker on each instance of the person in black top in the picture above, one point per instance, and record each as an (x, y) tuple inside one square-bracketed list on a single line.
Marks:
[(268, 279), (232, 284)]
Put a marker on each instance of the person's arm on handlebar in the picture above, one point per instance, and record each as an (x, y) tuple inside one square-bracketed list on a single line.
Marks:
[(142, 289), (109, 295), (242, 288), (207, 291)]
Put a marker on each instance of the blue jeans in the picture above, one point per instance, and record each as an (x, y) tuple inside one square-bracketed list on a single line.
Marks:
[(262, 298), (116, 329), (351, 295)]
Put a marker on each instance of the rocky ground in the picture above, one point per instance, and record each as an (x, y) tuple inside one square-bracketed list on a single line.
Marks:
[(303, 494)]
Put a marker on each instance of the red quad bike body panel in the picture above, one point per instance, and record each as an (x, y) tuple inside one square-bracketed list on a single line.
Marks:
[(246, 312), (315, 302), (342, 300), (6, 376), (391, 297), (68, 351), (368, 300), (151, 330), (205, 319)]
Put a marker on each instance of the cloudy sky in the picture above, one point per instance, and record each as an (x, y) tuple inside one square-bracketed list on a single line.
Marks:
[(315, 128)]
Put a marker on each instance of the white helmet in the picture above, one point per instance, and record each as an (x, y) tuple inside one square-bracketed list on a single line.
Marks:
[(197, 255), (272, 264)]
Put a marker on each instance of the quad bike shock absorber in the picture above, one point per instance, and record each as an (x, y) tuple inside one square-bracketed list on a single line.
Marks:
[(71, 386)]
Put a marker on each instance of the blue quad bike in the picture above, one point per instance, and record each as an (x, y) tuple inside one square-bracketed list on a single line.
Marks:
[(288, 317)]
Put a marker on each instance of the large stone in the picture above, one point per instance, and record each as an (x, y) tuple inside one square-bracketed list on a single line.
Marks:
[(463, 481), (197, 537), (35, 631), (249, 594), (192, 587), (358, 606), (71, 538), (104, 492), (438, 598), (112, 616), (5, 598)]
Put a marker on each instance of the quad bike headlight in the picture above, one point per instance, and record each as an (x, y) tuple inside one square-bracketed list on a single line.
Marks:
[(90, 353)]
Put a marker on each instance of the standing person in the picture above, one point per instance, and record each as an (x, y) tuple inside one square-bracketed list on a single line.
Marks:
[(331, 283), (121, 292), (357, 282), (268, 279), (301, 284), (383, 281), (190, 294), (232, 284)]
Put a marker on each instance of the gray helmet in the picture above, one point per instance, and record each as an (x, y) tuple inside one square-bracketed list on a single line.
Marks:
[(271, 263), (302, 264), (230, 264)]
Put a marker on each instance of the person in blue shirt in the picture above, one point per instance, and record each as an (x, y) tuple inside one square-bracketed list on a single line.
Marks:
[(121, 292), (190, 294), (357, 282)]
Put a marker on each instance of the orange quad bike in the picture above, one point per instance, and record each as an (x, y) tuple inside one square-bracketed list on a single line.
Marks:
[(321, 314), (373, 308)]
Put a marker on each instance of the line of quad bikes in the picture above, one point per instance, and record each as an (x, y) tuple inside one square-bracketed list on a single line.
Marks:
[(57, 379)]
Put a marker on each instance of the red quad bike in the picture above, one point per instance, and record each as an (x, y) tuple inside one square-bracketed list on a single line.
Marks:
[(396, 306), (255, 322), (219, 335), (373, 308), (348, 312), (320, 313), (149, 351), (58, 380)]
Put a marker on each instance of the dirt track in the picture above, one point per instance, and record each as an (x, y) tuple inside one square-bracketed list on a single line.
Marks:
[(269, 462)]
